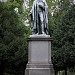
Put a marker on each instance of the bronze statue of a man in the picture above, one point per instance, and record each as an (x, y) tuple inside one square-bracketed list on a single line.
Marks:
[(39, 17)]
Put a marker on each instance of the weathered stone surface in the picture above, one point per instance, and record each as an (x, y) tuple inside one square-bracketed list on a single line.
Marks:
[(39, 69), (39, 58)]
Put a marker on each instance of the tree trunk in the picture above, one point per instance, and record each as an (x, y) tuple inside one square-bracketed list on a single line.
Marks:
[(56, 72), (65, 71), (1, 68)]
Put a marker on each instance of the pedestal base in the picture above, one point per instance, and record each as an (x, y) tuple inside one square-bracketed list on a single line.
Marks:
[(39, 69)]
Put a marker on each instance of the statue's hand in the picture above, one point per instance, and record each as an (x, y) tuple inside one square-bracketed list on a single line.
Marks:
[(42, 7), (30, 14)]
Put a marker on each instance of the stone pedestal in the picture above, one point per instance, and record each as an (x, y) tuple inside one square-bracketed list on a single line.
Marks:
[(39, 58)]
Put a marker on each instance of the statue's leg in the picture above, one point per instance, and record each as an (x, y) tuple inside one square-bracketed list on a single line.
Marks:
[(39, 24), (42, 24)]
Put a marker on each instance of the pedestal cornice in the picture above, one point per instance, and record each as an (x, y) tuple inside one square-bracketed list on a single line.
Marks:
[(39, 38)]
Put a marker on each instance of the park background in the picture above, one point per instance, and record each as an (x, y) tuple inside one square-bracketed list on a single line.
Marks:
[(15, 29)]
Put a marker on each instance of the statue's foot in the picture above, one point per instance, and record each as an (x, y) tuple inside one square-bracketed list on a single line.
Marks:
[(43, 33), (37, 33)]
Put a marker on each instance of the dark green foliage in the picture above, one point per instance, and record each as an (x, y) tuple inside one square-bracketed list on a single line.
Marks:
[(13, 41), (64, 42)]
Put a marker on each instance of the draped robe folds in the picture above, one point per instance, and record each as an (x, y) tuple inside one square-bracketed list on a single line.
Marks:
[(35, 19)]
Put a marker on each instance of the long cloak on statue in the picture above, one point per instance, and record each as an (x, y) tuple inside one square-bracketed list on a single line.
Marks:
[(35, 19)]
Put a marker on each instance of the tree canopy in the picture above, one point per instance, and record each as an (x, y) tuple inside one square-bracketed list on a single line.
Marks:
[(13, 41), (64, 41)]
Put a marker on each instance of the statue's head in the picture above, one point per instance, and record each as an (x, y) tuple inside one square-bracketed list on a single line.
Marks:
[(39, 0)]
